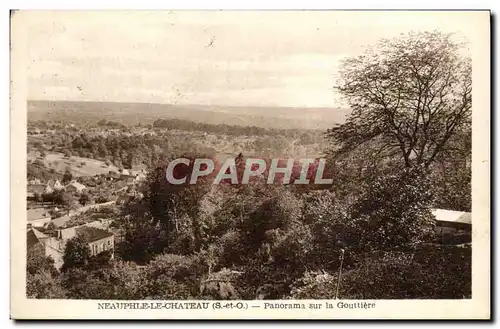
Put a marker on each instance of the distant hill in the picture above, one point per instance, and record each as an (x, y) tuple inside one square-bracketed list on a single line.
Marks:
[(145, 113)]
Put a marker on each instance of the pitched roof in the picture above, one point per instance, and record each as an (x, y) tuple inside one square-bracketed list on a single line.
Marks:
[(60, 221), (76, 185), (91, 234), (452, 216), (33, 237), (57, 185)]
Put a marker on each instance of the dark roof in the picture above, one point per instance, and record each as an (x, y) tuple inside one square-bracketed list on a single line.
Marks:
[(91, 234), (34, 237)]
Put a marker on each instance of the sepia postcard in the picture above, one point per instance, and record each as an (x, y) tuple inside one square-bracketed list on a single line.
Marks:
[(250, 164)]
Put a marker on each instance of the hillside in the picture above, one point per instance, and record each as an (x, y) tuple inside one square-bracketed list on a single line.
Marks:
[(144, 113), (78, 166)]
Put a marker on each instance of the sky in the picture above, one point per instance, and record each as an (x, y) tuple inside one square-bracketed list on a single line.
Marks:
[(252, 58)]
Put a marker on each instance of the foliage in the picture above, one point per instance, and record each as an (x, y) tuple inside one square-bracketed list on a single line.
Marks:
[(394, 211), (58, 197), (423, 273), (314, 285), (120, 280), (174, 277), (85, 198), (43, 285), (409, 95), (68, 176), (433, 272), (76, 253), (37, 261), (42, 280), (142, 241), (37, 170), (219, 285)]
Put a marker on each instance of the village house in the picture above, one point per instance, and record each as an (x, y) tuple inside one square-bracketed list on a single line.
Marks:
[(53, 248), (35, 187), (129, 179), (48, 189), (57, 186), (124, 199), (98, 241), (75, 187), (35, 131), (112, 175), (451, 222), (140, 175)]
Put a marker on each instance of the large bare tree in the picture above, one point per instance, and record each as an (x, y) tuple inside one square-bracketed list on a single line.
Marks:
[(409, 97)]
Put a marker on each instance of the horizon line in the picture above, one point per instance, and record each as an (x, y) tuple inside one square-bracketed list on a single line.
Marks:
[(188, 104)]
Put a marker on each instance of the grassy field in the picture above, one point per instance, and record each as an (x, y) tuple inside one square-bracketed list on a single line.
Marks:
[(78, 166)]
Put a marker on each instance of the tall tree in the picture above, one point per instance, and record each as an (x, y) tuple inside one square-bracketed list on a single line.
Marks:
[(409, 96), (68, 176), (76, 253)]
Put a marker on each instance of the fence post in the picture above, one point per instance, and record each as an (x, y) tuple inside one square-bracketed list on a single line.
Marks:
[(340, 273)]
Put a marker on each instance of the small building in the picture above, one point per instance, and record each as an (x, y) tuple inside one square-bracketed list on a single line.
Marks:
[(58, 186), (113, 175), (48, 189), (121, 200), (451, 221), (53, 247), (75, 187), (140, 176), (124, 199), (98, 240), (129, 179)]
